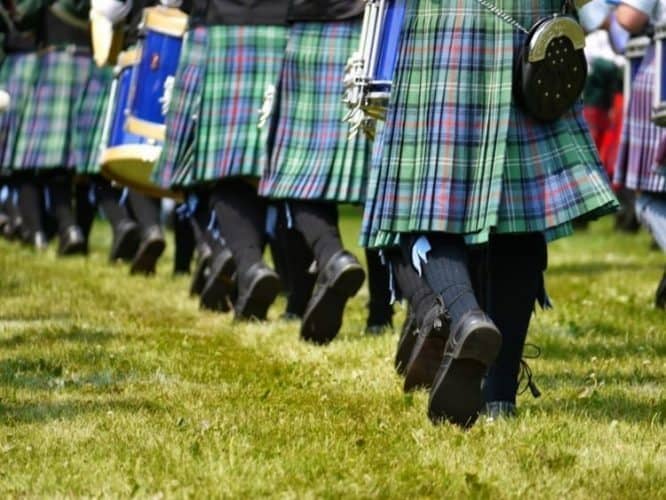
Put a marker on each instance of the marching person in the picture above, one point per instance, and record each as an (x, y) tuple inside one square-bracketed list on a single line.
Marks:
[(230, 58), (468, 179), (314, 166), (640, 153)]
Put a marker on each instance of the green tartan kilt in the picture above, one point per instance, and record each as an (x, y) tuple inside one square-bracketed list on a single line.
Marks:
[(313, 156), (223, 75), (17, 76), (46, 137), (89, 121), (458, 155)]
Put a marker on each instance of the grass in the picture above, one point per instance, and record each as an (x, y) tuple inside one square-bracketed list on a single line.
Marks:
[(119, 386)]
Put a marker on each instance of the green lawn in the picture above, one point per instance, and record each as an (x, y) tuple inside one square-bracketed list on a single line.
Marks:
[(119, 386)]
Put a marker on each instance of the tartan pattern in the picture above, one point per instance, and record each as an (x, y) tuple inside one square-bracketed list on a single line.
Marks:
[(175, 164), (89, 121), (637, 159), (458, 155), (312, 156), (45, 139), (240, 63), (17, 76)]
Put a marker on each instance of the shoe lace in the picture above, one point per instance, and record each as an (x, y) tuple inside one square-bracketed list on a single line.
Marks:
[(525, 376)]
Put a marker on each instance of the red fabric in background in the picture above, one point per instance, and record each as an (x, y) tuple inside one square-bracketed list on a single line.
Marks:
[(606, 129)]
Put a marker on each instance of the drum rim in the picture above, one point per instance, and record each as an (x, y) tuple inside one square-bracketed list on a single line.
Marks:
[(165, 20), (125, 153)]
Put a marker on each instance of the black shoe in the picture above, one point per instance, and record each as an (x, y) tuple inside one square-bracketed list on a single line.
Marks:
[(39, 241), (4, 220), (14, 228), (428, 350), (456, 392), (216, 293), (340, 279), (150, 249), (406, 343), (201, 269), (125, 241), (660, 297), (257, 288), (72, 242)]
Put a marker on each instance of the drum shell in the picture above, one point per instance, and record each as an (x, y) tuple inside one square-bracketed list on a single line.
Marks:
[(129, 158), (159, 55)]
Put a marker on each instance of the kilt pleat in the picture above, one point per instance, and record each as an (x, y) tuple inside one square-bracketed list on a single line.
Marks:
[(17, 76), (46, 134), (230, 68), (175, 165), (312, 156), (637, 160), (458, 155), (89, 120)]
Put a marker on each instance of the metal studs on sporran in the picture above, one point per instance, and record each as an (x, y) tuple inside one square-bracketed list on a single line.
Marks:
[(551, 69)]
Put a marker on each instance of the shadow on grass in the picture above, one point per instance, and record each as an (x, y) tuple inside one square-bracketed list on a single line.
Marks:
[(34, 412), (608, 407), (595, 268), (34, 336)]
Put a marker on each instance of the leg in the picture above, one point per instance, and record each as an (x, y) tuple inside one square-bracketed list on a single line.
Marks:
[(30, 194), (241, 216), (651, 211), (380, 310), (297, 259), (184, 241), (72, 240), (422, 341), (339, 277), (85, 207), (517, 263), (125, 230), (474, 340), (146, 211)]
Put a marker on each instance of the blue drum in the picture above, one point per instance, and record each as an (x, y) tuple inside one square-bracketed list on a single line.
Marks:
[(159, 52), (127, 158), (659, 92)]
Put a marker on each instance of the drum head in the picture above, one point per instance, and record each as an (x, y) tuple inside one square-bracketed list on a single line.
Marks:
[(107, 40), (131, 165)]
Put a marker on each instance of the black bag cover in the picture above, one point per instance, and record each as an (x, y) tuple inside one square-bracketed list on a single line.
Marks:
[(548, 87)]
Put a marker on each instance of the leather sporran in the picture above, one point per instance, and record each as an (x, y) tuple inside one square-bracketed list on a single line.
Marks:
[(550, 70)]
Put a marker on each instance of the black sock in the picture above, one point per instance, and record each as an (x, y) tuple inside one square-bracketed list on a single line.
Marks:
[(447, 273), (318, 223), (85, 209), (146, 210), (297, 261), (380, 310), (30, 206), (108, 198), (414, 289), (241, 217), (60, 190), (184, 241), (515, 280)]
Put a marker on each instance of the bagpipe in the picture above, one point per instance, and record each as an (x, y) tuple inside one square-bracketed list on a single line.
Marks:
[(369, 72), (143, 81)]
